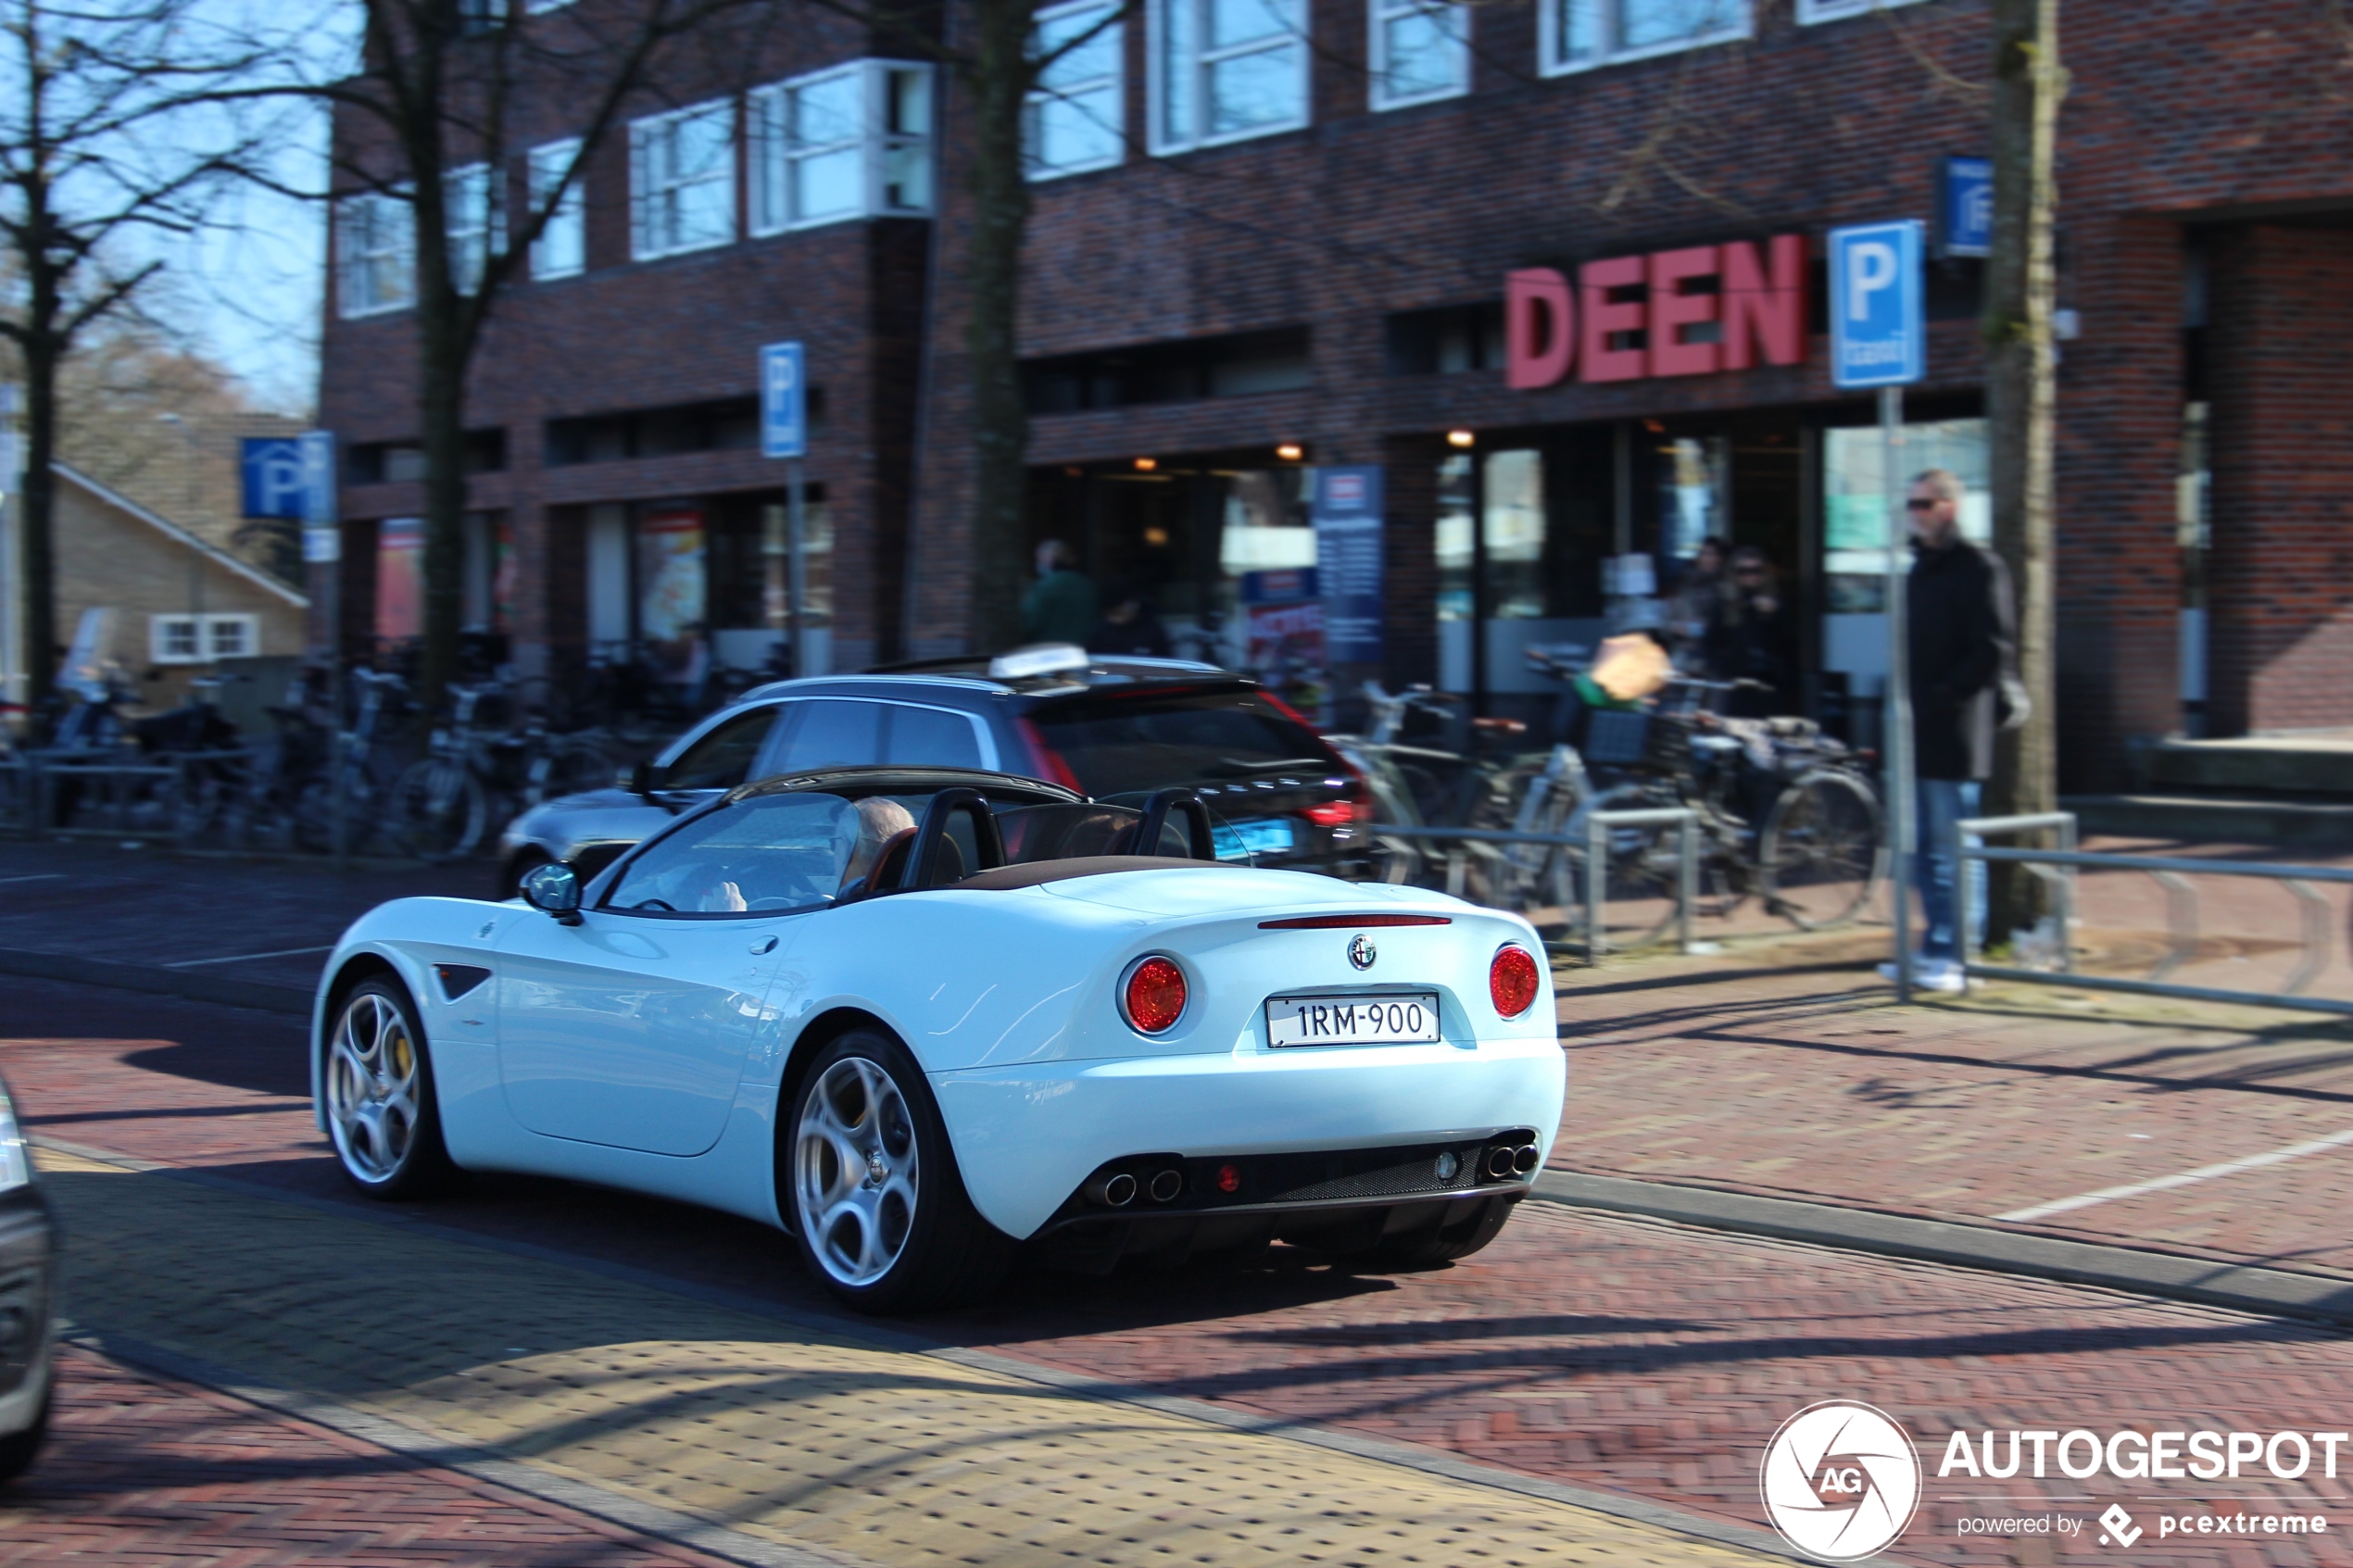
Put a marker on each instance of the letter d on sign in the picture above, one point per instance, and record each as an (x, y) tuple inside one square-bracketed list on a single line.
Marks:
[(1540, 328), (1871, 266)]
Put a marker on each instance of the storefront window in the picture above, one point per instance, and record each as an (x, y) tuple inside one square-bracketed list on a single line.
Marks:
[(1457, 561), (1512, 521), (1696, 475), (1854, 502)]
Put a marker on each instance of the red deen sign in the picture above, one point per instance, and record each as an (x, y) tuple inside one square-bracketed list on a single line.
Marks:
[(1756, 312)]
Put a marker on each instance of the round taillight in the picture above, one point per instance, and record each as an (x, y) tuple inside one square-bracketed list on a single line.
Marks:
[(1512, 981), (1155, 994)]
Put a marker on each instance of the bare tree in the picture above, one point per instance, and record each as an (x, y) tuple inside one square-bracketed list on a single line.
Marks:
[(106, 140), (2021, 395), (431, 97)]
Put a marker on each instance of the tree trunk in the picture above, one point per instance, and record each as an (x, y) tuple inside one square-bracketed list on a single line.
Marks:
[(2020, 405), (441, 397), (37, 524), (1000, 77)]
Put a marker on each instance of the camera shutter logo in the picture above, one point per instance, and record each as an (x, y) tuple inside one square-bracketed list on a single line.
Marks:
[(1840, 1480)]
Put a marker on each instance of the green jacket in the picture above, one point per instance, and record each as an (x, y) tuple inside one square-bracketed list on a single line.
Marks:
[(1058, 608)]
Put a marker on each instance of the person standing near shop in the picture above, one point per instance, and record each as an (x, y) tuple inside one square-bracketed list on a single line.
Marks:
[(1694, 605), (1752, 637), (1962, 633), (1060, 607)]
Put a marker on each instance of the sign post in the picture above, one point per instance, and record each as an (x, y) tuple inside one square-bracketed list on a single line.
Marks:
[(1878, 340), (783, 433)]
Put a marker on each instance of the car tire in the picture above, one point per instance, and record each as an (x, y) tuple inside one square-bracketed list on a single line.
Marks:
[(872, 1187), (18, 1449), (1433, 1248), (383, 1114)]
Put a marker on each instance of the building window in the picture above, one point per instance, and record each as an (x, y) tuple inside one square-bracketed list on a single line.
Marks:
[(375, 253), (477, 220), (561, 249), (203, 639), (851, 141), (1579, 34), (1839, 10), (1420, 52), (681, 180), (1073, 121), (1227, 70)]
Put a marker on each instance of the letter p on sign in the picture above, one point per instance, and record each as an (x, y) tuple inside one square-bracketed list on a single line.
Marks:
[(1877, 334)]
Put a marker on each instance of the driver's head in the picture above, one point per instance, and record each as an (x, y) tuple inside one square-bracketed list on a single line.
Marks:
[(879, 820)]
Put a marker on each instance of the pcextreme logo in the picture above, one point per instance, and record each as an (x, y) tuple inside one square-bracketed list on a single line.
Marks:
[(1841, 1480)]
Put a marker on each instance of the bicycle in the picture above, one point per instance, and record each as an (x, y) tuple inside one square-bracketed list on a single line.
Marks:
[(1429, 787), (1782, 812), (442, 803), (347, 785)]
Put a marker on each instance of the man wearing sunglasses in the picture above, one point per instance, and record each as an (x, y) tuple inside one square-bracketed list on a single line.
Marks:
[(1961, 635)]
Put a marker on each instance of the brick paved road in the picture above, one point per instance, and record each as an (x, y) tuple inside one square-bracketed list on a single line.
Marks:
[(1611, 1354)]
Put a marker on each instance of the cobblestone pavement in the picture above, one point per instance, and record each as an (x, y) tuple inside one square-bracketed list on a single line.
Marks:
[(141, 1469), (1640, 1360)]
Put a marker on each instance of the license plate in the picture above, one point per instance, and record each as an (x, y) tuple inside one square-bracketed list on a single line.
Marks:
[(1261, 835), (1394, 1019)]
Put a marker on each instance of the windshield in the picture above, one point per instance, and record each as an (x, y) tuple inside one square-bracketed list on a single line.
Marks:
[(1132, 745), (801, 850)]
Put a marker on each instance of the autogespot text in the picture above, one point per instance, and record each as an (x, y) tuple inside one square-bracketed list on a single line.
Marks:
[(2138, 1456)]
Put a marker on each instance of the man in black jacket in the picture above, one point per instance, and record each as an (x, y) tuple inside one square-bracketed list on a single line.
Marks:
[(1961, 631)]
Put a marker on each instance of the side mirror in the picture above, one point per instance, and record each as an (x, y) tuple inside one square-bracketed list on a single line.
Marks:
[(554, 889)]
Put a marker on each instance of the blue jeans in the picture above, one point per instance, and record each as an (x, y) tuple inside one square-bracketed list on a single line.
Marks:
[(1943, 802)]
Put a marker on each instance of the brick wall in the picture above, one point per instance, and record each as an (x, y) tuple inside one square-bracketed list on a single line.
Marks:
[(2281, 572)]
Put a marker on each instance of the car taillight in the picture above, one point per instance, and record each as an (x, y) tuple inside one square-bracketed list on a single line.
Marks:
[(1339, 813), (1512, 981), (1045, 763), (1154, 995)]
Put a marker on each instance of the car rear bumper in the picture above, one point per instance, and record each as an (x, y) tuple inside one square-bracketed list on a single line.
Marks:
[(1026, 1135)]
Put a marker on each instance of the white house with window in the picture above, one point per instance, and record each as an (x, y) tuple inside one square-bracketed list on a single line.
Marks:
[(177, 606)]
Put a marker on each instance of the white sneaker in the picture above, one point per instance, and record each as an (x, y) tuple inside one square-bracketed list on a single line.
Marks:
[(1942, 976)]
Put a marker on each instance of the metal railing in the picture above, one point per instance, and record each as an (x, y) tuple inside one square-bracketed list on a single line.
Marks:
[(98, 794), (2057, 868), (1468, 843)]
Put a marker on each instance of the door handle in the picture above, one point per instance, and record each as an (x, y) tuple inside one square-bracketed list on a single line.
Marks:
[(765, 945)]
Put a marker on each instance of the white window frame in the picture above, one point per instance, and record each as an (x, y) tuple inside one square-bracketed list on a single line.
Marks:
[(642, 133), (875, 141), (476, 230), (1549, 40), (204, 637), (1114, 38), (1155, 47), (1456, 18), (545, 165), (370, 216), (1809, 12)]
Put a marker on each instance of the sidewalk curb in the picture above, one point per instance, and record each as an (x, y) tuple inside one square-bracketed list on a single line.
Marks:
[(155, 981), (2238, 1287)]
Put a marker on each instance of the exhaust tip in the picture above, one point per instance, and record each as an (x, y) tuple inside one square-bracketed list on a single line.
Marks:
[(1166, 1185), (1524, 1160), (1114, 1191), (1499, 1162)]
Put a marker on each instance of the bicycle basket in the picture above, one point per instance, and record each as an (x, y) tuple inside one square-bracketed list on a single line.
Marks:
[(1615, 737)]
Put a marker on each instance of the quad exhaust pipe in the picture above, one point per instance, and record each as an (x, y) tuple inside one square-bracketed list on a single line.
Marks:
[(1506, 1160), (1116, 1190)]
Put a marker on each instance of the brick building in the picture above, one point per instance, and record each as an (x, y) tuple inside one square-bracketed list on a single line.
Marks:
[(1273, 234)]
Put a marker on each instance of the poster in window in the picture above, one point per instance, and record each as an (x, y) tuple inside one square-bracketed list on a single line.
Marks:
[(1283, 623), (670, 613), (400, 579)]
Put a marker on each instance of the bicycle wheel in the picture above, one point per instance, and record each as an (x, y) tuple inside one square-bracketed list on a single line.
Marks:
[(1821, 856), (438, 810), (1509, 876), (1643, 877)]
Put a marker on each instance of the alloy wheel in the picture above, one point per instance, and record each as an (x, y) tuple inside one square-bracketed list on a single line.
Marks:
[(856, 1171), (373, 1087)]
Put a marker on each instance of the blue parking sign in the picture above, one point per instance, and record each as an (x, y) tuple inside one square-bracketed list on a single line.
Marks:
[(1966, 207), (274, 483), (783, 402), (1878, 335)]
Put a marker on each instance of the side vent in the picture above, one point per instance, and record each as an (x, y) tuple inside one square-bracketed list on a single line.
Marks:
[(456, 978)]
